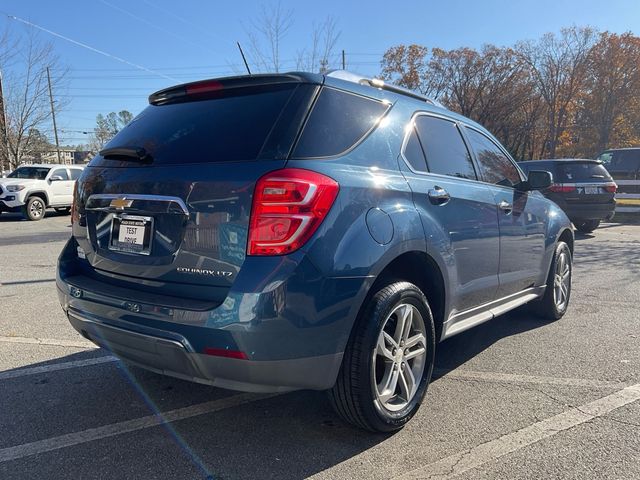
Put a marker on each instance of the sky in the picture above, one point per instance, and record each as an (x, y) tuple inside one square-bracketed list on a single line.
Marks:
[(189, 40)]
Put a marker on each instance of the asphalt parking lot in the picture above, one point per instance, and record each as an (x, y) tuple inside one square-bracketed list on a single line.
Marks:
[(515, 398)]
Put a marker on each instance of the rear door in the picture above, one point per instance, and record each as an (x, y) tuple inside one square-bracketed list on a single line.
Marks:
[(458, 212), (177, 217), (60, 189), (522, 216)]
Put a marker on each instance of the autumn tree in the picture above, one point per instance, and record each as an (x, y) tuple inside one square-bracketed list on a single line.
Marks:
[(610, 112), (406, 66), (558, 65)]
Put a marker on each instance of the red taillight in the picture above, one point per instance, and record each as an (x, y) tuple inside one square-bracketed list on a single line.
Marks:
[(75, 216), (203, 87), (611, 187), (562, 188), (288, 206), (223, 352)]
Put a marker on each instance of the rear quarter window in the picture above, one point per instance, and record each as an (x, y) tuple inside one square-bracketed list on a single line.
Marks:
[(338, 121)]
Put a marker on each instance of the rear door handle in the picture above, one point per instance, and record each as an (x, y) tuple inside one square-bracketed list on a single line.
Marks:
[(438, 195), (506, 207)]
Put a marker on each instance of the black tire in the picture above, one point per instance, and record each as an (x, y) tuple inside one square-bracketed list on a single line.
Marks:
[(587, 226), (63, 210), (353, 395), (547, 307), (34, 209)]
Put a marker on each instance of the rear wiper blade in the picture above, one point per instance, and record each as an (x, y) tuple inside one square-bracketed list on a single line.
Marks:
[(126, 153)]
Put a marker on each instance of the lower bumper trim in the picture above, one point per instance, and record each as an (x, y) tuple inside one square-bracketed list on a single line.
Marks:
[(177, 359)]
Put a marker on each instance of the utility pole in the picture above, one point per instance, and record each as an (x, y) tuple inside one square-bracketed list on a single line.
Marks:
[(4, 132), (53, 116), (344, 63)]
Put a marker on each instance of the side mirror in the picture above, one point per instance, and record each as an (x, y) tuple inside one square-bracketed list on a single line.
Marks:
[(538, 180), (56, 178)]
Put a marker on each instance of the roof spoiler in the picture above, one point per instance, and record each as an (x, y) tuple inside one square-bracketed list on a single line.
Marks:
[(204, 87)]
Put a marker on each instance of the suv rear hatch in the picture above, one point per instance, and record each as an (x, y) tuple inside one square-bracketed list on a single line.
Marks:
[(165, 206), (583, 181)]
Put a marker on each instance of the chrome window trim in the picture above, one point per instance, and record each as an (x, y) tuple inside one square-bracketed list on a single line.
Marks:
[(407, 134)]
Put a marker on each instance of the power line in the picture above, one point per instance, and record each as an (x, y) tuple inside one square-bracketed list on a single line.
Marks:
[(151, 24), (88, 47)]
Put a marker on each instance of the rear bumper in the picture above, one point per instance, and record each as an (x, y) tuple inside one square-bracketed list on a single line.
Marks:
[(174, 356), (595, 211), (291, 330)]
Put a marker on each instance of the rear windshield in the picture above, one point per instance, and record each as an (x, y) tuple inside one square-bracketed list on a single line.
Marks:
[(234, 126), (580, 172)]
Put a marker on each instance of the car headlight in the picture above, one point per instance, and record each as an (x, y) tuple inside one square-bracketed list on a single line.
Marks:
[(15, 188)]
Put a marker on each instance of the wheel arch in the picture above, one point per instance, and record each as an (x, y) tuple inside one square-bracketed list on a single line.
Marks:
[(38, 193), (422, 270)]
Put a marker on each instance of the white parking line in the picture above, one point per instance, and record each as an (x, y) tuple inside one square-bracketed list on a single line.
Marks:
[(49, 341), (463, 374), (55, 366), (462, 462), (89, 435)]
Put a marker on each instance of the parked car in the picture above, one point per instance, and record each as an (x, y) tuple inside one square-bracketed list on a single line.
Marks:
[(624, 166), (270, 233), (31, 189), (582, 188)]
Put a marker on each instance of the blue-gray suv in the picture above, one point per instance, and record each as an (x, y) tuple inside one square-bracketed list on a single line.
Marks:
[(269, 233)]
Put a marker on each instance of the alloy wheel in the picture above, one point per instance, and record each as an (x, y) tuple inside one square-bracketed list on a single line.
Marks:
[(36, 209), (562, 281), (399, 358)]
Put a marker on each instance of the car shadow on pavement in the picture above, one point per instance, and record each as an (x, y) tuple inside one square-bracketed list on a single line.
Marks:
[(18, 217), (291, 435), (457, 350)]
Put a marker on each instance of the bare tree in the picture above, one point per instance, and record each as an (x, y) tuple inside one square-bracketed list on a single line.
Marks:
[(27, 97), (558, 64), (266, 35), (317, 58)]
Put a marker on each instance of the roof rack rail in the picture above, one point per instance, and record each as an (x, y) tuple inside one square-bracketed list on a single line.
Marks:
[(378, 83)]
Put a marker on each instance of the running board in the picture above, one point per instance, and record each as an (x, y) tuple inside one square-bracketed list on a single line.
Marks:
[(475, 316)]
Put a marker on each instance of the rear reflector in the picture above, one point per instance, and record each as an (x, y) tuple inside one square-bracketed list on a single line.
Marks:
[(288, 207), (223, 352), (561, 188)]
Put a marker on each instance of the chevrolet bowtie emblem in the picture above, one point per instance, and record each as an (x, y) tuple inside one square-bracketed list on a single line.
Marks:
[(120, 203)]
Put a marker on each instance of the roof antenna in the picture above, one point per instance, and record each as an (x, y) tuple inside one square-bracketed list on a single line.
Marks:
[(243, 58)]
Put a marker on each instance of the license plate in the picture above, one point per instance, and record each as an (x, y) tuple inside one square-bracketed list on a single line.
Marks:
[(591, 190), (131, 234)]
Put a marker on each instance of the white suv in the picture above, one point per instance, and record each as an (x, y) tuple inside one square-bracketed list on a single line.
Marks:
[(31, 189)]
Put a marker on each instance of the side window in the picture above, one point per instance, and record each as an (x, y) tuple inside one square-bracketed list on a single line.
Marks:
[(75, 173), (495, 166), (413, 152), (338, 121), (444, 147), (60, 172)]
